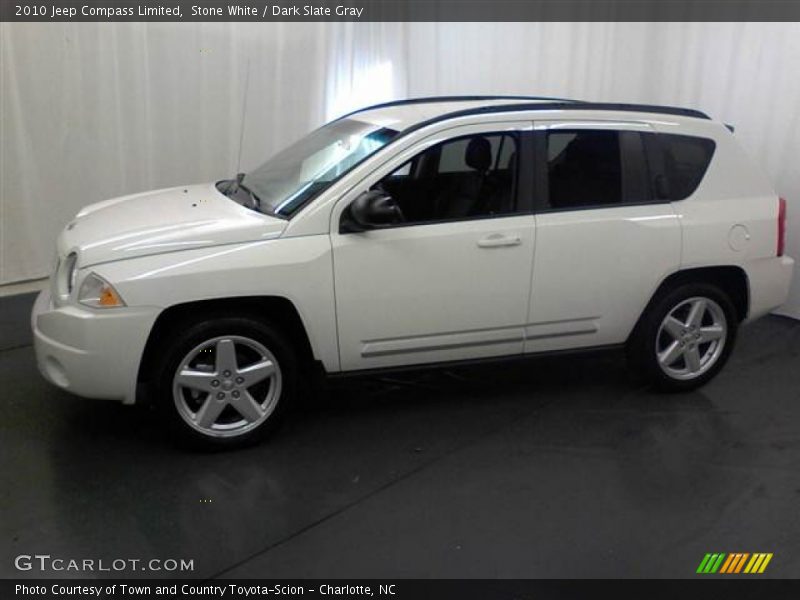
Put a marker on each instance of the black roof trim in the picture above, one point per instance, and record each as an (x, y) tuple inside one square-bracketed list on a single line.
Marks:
[(545, 103), (432, 99), (646, 108), (544, 106)]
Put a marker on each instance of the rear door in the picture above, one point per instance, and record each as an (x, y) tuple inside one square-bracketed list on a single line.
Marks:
[(604, 240)]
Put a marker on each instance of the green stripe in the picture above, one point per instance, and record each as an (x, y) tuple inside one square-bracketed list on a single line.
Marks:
[(710, 563), (718, 563), (703, 562)]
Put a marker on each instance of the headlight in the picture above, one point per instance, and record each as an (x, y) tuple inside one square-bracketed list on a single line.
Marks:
[(98, 293)]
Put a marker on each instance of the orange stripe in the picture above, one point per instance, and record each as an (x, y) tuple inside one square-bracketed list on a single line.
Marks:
[(741, 562), (732, 566), (725, 566), (735, 563)]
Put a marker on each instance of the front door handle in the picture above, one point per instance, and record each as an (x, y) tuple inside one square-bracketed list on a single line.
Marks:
[(498, 240)]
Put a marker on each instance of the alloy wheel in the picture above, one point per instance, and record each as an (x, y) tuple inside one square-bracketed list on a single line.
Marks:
[(227, 386), (691, 338)]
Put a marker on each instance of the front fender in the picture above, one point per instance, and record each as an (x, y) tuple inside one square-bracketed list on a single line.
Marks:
[(299, 269)]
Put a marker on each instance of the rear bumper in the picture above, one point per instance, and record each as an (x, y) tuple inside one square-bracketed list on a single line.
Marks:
[(770, 280), (91, 353)]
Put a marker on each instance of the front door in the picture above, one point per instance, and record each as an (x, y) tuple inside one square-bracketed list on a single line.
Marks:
[(452, 279)]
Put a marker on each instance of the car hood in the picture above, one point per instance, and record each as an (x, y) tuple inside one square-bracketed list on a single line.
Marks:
[(160, 221)]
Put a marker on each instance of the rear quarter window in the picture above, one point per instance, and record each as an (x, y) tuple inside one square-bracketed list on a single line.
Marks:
[(685, 161)]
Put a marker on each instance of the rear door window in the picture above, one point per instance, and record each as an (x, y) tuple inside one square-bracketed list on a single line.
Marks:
[(589, 168)]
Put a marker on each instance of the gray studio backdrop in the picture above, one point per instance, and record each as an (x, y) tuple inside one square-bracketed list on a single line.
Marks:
[(94, 110)]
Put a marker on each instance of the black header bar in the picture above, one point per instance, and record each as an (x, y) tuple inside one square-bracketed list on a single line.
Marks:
[(399, 10)]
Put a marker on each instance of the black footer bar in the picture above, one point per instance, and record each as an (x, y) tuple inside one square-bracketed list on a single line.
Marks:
[(732, 588)]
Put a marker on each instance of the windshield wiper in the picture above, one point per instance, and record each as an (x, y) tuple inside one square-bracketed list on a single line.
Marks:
[(234, 185)]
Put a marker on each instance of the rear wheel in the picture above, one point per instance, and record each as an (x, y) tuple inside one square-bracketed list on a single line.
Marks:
[(685, 337), (227, 382)]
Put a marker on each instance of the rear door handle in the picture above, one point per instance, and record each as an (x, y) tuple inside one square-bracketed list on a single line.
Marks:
[(497, 240)]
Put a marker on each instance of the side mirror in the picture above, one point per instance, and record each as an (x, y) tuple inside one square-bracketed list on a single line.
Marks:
[(373, 209)]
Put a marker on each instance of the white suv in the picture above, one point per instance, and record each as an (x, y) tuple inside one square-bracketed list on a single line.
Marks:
[(414, 233)]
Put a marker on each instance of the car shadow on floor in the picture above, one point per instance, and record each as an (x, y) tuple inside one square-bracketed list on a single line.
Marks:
[(563, 383)]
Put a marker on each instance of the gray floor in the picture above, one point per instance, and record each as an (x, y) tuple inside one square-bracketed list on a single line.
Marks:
[(553, 468)]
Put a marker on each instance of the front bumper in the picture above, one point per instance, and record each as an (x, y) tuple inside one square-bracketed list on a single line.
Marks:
[(92, 353)]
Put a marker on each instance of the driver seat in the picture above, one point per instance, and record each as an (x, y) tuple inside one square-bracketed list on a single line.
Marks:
[(461, 198)]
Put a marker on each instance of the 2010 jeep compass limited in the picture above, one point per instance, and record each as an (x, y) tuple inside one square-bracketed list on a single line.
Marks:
[(412, 233)]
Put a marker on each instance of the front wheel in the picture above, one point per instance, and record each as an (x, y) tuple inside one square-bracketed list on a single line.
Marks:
[(226, 382), (685, 337)]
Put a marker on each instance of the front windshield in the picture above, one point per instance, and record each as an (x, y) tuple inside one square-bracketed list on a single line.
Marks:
[(292, 177)]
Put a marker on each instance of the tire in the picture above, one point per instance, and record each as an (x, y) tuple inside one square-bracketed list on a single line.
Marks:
[(226, 382), (684, 337)]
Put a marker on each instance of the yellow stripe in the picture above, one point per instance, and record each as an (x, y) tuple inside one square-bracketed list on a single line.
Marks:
[(761, 557), (765, 563), (753, 562), (741, 562), (728, 561)]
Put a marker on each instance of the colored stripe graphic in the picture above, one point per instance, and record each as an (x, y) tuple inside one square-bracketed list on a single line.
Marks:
[(764, 564), (730, 564), (703, 563), (727, 564), (711, 563), (755, 562), (740, 564), (734, 563)]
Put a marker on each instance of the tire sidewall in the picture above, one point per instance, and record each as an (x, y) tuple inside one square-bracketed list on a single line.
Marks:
[(641, 350), (185, 338)]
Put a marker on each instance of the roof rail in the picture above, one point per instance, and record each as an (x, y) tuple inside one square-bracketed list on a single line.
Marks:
[(647, 108), (570, 105), (431, 99)]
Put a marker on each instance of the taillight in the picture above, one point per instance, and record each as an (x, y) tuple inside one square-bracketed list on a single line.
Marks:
[(781, 226)]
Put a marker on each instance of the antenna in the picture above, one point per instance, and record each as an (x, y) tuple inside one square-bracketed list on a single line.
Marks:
[(244, 113)]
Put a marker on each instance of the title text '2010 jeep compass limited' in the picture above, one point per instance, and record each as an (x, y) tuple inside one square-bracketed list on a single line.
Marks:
[(415, 233)]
